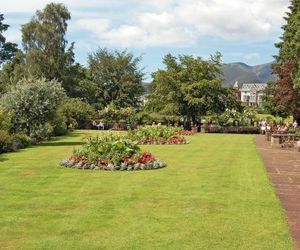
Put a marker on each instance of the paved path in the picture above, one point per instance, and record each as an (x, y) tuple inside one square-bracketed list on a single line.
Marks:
[(283, 167)]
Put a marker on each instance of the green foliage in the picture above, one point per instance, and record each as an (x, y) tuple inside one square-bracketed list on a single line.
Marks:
[(12, 142), (5, 119), (287, 64), (88, 91), (117, 77), (190, 87), (75, 83), (289, 46), (230, 116), (157, 135), (112, 113), (12, 72), (146, 117), (60, 124), (154, 132), (109, 149), (6, 141), (44, 42), (269, 105), (7, 49), (34, 103), (23, 140), (75, 110)]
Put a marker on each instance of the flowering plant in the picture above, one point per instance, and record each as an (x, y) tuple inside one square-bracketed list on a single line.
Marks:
[(111, 153), (157, 135)]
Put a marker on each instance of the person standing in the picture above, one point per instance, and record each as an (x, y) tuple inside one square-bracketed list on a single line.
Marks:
[(263, 127), (295, 124)]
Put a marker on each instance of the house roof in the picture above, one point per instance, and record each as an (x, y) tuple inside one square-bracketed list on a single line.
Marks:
[(255, 86)]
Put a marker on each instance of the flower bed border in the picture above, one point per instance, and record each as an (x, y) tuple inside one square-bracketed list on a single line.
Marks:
[(185, 133), (162, 143), (157, 164)]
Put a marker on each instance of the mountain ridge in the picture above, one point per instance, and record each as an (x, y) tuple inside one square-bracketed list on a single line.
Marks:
[(244, 73)]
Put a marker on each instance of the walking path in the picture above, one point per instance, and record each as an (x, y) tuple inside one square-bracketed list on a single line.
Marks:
[(283, 167)]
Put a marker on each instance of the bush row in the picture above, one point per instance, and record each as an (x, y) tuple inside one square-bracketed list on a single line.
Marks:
[(12, 142)]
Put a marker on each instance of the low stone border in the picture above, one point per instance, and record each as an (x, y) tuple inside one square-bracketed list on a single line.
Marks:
[(110, 167)]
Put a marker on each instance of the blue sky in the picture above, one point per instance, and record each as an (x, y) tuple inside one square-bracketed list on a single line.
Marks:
[(242, 30)]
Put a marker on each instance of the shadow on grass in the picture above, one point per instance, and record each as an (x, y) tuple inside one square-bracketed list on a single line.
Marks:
[(60, 143), (2, 158)]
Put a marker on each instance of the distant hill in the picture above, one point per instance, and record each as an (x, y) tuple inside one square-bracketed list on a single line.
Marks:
[(244, 73)]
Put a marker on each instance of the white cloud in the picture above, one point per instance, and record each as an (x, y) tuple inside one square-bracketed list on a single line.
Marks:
[(252, 56), (177, 23), (153, 30), (32, 5), (96, 25), (183, 23)]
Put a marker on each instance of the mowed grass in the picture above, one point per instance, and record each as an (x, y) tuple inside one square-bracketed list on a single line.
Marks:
[(214, 194)]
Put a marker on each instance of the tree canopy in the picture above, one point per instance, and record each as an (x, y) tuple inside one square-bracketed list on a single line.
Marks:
[(44, 42), (117, 78), (190, 87), (287, 64), (7, 49)]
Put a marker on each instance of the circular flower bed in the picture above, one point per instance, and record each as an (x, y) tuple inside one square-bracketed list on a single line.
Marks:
[(163, 141), (111, 153), (185, 133), (157, 135)]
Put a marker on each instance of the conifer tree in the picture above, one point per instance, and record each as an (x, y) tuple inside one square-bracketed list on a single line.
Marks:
[(287, 65), (7, 49)]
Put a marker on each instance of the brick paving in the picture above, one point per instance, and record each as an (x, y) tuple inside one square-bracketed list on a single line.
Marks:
[(283, 167)]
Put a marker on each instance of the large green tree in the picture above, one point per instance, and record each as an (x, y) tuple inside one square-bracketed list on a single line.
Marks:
[(190, 87), (117, 78), (46, 48), (7, 49), (287, 64)]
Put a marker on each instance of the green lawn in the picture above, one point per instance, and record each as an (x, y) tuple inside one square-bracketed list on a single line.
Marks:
[(214, 194)]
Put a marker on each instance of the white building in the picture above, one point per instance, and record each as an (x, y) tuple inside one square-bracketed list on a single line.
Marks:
[(252, 93)]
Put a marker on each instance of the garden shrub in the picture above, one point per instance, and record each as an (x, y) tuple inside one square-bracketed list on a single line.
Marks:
[(6, 141), (23, 140), (111, 152), (77, 113), (60, 126), (231, 116), (111, 113), (34, 104), (5, 119)]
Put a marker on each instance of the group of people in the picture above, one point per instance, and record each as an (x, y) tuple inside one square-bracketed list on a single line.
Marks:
[(99, 125), (280, 128)]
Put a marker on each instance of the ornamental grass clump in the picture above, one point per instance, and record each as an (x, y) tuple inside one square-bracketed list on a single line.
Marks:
[(157, 135), (111, 152)]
